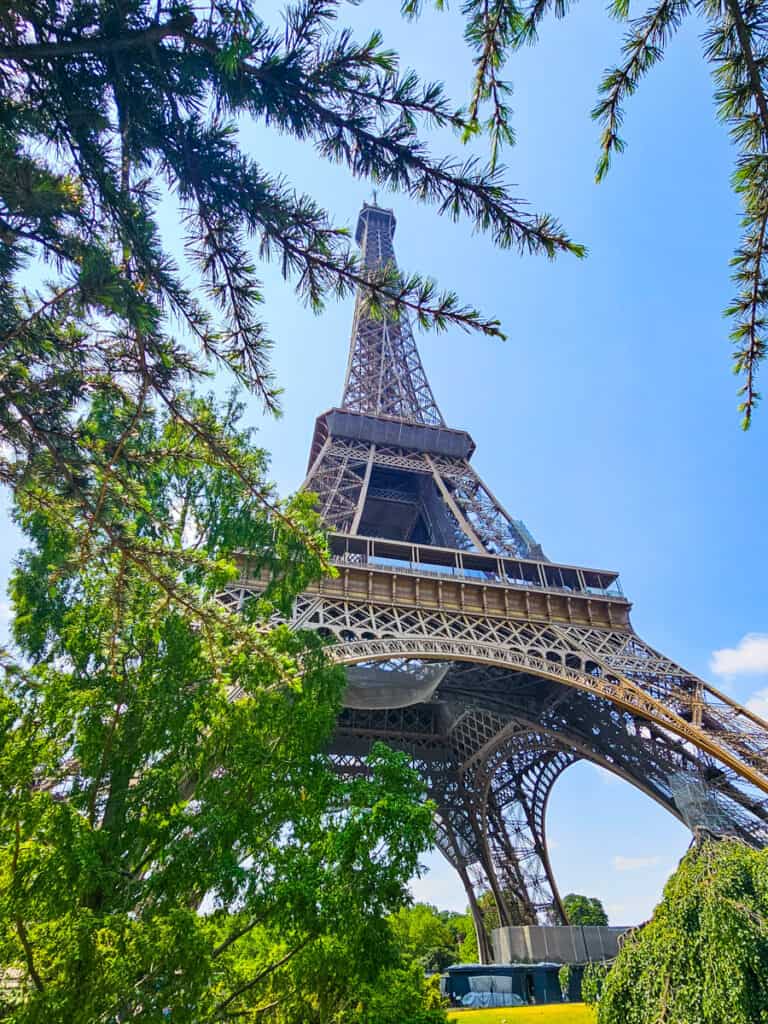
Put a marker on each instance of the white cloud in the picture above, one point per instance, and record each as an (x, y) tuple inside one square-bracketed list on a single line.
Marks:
[(758, 703), (749, 657), (635, 863), (5, 611)]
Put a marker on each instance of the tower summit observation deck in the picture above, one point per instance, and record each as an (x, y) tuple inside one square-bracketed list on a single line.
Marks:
[(492, 666)]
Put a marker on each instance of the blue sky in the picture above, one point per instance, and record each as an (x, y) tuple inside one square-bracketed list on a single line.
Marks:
[(607, 421)]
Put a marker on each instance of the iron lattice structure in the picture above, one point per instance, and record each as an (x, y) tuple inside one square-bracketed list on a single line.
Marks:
[(492, 666)]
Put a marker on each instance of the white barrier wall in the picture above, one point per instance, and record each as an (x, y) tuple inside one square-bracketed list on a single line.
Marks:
[(570, 944)]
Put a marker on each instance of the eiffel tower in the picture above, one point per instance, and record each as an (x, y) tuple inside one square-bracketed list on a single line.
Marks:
[(492, 666)]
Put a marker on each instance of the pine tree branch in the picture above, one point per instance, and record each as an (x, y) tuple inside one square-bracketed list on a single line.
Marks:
[(178, 27), (428, 110), (19, 325), (527, 31), (644, 48), (745, 43), (454, 188), (756, 346), (397, 156), (490, 49), (746, 308)]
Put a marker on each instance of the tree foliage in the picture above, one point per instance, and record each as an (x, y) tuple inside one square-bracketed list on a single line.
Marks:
[(584, 910), (564, 976), (163, 795), (400, 996), (335, 979), (703, 956), (592, 982), (734, 45), (113, 111), (468, 950), (424, 936)]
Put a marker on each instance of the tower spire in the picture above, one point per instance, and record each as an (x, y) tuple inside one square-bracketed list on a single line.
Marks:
[(385, 375), (385, 464)]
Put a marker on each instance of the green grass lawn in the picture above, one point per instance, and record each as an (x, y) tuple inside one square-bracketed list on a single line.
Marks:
[(557, 1013)]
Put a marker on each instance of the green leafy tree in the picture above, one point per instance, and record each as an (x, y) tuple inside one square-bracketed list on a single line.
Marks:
[(400, 996), (461, 926), (468, 951), (734, 45), (108, 111), (584, 909), (424, 937), (329, 980), (703, 956), (592, 982), (162, 792), (564, 976)]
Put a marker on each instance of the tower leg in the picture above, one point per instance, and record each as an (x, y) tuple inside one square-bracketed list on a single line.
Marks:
[(518, 905), (517, 781), (484, 950), (449, 846)]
